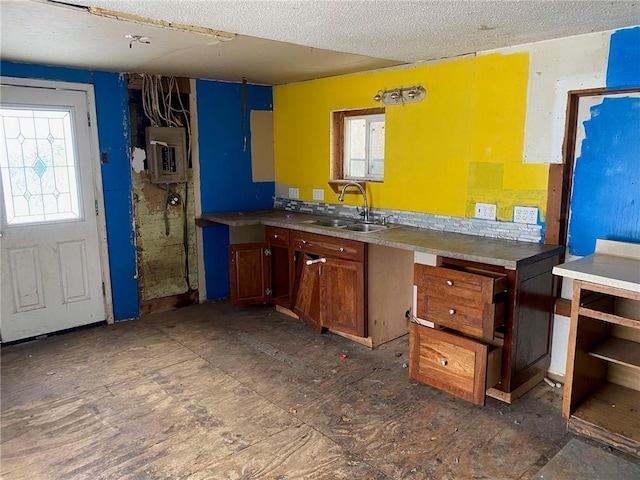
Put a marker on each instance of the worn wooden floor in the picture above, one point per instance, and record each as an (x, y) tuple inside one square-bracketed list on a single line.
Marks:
[(216, 392)]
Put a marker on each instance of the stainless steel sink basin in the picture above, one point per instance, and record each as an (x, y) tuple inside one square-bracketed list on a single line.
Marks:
[(335, 222), (366, 227)]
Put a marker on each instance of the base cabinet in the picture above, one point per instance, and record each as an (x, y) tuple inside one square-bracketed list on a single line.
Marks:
[(250, 273), (329, 289), (319, 278), (262, 272), (602, 392), (492, 328)]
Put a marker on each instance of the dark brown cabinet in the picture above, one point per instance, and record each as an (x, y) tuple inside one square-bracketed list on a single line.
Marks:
[(320, 278), (250, 273), (262, 272), (330, 283), (492, 327)]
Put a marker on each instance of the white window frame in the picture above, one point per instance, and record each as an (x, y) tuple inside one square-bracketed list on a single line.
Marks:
[(369, 119)]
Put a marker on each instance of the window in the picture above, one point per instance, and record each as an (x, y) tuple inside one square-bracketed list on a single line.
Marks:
[(358, 145), (38, 165)]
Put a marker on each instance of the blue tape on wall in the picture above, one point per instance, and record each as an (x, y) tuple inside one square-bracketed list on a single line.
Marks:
[(113, 132), (605, 202), (225, 167)]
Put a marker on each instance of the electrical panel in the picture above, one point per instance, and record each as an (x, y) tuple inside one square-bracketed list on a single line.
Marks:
[(166, 154)]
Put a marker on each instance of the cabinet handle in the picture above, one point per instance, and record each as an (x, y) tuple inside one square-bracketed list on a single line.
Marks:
[(450, 283), (276, 236), (317, 260), (451, 311), (342, 249), (444, 363)]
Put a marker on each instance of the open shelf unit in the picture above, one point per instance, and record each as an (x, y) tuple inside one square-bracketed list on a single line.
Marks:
[(602, 392)]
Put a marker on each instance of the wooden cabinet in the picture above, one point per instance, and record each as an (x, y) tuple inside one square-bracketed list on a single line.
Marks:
[(492, 327), (453, 363), (262, 272), (460, 300), (319, 278), (281, 265), (329, 288), (249, 273), (602, 391)]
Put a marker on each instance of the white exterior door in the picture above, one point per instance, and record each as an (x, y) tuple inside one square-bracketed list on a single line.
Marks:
[(51, 275)]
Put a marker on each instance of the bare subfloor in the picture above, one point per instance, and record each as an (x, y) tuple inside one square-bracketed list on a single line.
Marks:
[(216, 392)]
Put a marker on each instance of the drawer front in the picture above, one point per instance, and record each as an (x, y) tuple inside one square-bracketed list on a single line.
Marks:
[(277, 236), (451, 363), (455, 313), (474, 287), (328, 246)]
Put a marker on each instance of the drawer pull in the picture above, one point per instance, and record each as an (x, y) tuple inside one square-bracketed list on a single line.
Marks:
[(304, 242), (317, 260), (276, 236), (443, 363), (342, 249), (451, 311), (450, 283)]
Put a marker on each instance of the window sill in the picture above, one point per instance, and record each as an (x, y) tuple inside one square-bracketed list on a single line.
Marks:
[(337, 184)]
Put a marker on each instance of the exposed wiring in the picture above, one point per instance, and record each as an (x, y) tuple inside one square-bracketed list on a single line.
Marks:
[(158, 106)]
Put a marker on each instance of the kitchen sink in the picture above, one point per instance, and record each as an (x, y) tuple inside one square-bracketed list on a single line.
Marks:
[(335, 222), (366, 227)]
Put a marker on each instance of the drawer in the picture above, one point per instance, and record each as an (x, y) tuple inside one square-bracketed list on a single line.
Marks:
[(462, 316), (328, 246), (277, 236), (477, 287), (458, 365)]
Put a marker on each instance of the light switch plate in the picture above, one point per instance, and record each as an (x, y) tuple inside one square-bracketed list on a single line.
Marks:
[(525, 215), (318, 194), (294, 193), (486, 211)]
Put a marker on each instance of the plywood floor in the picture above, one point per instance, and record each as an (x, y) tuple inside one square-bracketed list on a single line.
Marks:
[(216, 392)]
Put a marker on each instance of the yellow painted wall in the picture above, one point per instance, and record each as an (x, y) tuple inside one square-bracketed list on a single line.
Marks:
[(461, 145)]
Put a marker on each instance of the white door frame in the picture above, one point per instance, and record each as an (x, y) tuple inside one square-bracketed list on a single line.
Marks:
[(88, 89)]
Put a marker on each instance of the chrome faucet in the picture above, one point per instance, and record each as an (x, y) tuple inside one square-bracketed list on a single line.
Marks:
[(365, 207)]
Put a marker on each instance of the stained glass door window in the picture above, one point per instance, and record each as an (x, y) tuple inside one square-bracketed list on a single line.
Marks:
[(38, 166)]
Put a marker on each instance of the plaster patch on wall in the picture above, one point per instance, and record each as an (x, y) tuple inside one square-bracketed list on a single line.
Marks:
[(558, 66), (138, 156)]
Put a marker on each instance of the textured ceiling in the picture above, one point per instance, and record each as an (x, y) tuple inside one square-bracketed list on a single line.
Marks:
[(286, 41)]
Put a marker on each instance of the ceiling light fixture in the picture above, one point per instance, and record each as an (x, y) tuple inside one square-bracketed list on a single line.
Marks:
[(137, 38), (400, 96)]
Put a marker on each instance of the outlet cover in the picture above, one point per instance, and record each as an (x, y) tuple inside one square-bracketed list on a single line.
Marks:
[(294, 193), (318, 194), (486, 211), (525, 215)]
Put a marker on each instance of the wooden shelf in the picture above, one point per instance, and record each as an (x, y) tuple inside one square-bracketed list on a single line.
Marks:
[(609, 317), (620, 351), (610, 413)]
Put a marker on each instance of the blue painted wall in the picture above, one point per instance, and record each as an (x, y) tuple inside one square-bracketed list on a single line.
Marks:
[(623, 69), (606, 198), (605, 201), (225, 167), (113, 132)]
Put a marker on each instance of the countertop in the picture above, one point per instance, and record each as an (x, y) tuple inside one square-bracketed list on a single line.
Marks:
[(505, 253), (604, 269)]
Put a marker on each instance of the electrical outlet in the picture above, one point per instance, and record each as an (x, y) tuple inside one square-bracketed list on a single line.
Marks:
[(294, 193), (486, 211), (525, 214), (318, 194)]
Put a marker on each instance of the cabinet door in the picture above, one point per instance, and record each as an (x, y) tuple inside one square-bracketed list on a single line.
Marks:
[(342, 296), (307, 291), (250, 274)]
